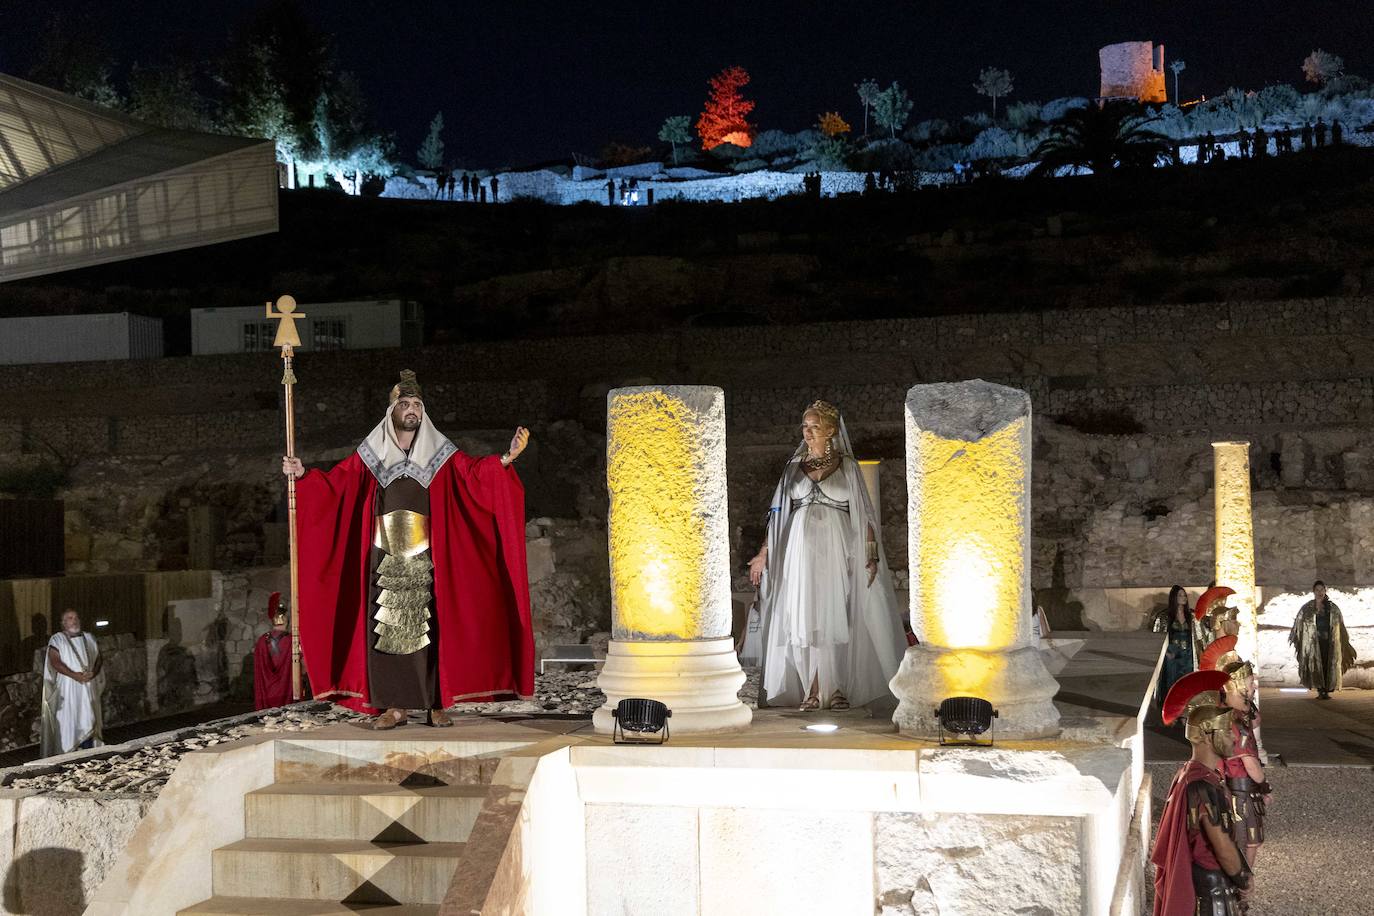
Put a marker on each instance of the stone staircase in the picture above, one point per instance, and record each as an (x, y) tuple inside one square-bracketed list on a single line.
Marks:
[(356, 837)]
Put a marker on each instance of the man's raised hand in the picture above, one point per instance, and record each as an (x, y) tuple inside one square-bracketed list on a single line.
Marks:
[(292, 467)]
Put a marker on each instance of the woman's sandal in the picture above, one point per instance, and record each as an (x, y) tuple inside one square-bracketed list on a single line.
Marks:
[(838, 701), (810, 704)]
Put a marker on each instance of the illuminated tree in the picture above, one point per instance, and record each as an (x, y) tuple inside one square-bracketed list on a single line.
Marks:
[(676, 129), (868, 94), (1178, 66), (891, 108), (725, 118), (832, 125), (1321, 67), (995, 83), (72, 56), (431, 151)]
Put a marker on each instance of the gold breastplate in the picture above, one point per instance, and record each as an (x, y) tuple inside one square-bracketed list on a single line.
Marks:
[(401, 533)]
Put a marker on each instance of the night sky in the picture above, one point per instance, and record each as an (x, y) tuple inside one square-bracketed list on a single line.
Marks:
[(520, 82)]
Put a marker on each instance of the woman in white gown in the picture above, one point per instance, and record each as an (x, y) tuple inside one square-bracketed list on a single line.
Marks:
[(832, 629)]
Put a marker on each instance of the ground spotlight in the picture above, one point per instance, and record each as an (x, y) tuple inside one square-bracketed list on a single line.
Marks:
[(638, 720), (823, 728), (966, 716)]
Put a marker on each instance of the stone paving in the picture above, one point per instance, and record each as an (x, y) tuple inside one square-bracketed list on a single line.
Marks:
[(1297, 730)]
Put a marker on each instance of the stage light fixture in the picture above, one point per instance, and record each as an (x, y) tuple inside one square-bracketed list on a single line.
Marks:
[(638, 720), (966, 716), (822, 728)]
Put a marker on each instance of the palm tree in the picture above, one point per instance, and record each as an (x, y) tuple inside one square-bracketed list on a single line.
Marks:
[(1103, 138)]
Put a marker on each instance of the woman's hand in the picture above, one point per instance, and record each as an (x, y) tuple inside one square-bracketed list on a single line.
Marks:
[(872, 571), (756, 567), (292, 467)]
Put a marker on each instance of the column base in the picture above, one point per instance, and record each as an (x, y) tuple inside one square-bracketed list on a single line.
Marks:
[(1015, 682), (698, 680)]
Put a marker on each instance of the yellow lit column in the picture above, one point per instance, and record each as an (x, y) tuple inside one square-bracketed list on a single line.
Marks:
[(670, 559), (968, 453), (1235, 543)]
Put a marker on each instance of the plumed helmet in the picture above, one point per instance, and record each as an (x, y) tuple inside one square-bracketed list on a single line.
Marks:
[(1207, 598), (1211, 656), (1187, 690)]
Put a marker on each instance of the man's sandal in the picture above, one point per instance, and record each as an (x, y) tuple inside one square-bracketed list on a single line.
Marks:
[(810, 704), (389, 720), (838, 701), (439, 719)]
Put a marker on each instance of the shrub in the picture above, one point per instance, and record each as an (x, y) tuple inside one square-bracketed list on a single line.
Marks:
[(934, 129), (1021, 115)]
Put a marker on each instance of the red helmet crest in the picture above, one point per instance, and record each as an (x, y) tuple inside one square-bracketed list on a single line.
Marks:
[(1187, 687), (1219, 647), (1205, 601)]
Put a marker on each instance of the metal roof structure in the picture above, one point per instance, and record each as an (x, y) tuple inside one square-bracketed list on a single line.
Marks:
[(82, 185)]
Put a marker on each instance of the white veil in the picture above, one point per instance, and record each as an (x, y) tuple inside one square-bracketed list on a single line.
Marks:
[(877, 639)]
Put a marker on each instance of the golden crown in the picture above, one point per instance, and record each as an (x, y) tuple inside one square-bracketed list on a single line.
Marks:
[(826, 411)]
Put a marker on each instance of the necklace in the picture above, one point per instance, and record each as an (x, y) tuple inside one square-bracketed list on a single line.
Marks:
[(815, 463)]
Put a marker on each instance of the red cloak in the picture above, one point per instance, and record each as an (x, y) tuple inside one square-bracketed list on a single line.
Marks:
[(271, 675), (1172, 855), (481, 582)]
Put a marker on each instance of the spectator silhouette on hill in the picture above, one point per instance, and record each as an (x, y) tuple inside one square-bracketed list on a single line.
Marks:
[(451, 183), (1321, 132), (1337, 133), (466, 186), (1306, 135), (1261, 143), (495, 188), (610, 192)]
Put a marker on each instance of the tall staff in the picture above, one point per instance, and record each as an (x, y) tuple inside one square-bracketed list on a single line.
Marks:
[(288, 338)]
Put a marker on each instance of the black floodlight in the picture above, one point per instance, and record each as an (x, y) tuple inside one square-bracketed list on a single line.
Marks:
[(638, 720), (966, 716)]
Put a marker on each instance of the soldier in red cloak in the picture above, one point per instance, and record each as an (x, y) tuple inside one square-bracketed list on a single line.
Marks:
[(272, 660), (414, 588), (1199, 870)]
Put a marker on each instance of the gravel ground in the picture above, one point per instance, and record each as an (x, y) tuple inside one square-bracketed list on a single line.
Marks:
[(145, 769), (1319, 841)]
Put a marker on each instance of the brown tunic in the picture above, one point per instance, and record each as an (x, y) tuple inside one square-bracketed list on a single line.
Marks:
[(400, 681)]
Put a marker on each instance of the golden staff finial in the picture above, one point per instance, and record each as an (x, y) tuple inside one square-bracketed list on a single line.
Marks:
[(288, 338)]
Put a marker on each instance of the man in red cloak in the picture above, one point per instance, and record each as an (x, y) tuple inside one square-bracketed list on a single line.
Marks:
[(414, 589), (1199, 871), (272, 660)]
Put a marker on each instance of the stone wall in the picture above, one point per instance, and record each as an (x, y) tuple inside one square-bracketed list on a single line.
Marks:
[(1126, 401)]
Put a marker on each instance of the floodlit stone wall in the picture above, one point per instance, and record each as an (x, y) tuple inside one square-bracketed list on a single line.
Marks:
[(1133, 69)]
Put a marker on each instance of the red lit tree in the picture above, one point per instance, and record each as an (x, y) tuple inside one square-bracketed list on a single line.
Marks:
[(726, 118)]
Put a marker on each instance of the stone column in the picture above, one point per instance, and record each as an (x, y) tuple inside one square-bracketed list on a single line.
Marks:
[(670, 566), (968, 464), (1235, 539)]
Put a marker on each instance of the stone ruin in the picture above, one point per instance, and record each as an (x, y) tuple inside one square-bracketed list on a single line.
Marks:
[(1133, 70)]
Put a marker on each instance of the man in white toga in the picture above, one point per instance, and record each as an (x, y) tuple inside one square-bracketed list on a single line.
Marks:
[(71, 689)]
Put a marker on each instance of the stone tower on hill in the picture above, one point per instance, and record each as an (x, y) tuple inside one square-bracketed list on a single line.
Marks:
[(1134, 70)]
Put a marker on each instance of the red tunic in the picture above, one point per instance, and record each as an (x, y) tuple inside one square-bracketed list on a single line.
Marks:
[(271, 673), (1178, 844), (481, 583)]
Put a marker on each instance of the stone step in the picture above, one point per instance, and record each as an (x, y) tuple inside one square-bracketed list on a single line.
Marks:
[(374, 812), (271, 906), (354, 871), (399, 760)]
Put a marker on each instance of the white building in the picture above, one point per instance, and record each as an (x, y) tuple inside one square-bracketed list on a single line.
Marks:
[(326, 326)]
